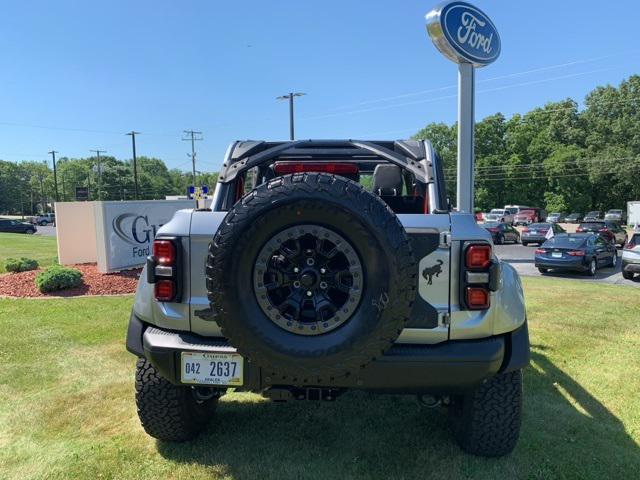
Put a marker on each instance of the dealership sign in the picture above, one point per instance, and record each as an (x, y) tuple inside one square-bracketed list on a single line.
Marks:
[(463, 33), (125, 230)]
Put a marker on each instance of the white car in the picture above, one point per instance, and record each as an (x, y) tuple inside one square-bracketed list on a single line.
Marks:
[(631, 257), (499, 215)]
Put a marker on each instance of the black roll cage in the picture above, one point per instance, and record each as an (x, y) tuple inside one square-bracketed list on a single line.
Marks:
[(414, 156)]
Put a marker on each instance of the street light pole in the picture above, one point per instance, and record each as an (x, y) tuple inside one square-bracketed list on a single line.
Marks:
[(55, 175), (135, 167), (289, 97)]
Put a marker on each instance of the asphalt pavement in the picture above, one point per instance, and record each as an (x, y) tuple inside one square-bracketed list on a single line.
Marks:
[(521, 258), (48, 231)]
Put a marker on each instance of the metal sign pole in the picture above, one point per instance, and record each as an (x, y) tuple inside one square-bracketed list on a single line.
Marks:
[(466, 36), (466, 137)]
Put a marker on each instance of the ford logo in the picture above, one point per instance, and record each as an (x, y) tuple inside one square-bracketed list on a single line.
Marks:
[(463, 33)]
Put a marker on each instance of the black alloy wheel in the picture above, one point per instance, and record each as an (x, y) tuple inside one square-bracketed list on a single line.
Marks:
[(308, 279)]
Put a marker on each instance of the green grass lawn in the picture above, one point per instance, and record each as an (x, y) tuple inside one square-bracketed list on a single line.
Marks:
[(67, 408), (38, 247)]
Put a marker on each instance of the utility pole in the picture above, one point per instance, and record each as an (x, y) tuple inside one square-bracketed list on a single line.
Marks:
[(290, 98), (55, 175), (135, 167), (98, 152), (193, 136)]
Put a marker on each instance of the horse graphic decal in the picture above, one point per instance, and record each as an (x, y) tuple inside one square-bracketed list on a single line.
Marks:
[(429, 272)]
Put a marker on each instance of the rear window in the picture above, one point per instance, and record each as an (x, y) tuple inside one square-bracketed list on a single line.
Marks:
[(635, 240), (566, 241), (490, 224), (526, 212), (592, 225), (593, 214), (512, 210), (496, 211), (535, 226)]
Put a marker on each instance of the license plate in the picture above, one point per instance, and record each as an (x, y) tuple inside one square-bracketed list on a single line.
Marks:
[(212, 368), (556, 254), (533, 232)]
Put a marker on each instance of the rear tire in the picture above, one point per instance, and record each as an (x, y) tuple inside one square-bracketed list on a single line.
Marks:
[(627, 275), (593, 268), (486, 422), (499, 239), (543, 270), (525, 244), (614, 259), (169, 412)]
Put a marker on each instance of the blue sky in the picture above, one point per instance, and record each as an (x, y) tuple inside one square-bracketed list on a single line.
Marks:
[(94, 70)]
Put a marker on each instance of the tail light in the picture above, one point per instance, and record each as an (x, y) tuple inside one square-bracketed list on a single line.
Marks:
[(477, 298), (165, 290), (540, 250), (576, 253), (604, 229), (492, 229), (164, 251), (544, 232), (579, 229), (478, 256), (284, 168), (479, 276), (525, 230), (163, 269)]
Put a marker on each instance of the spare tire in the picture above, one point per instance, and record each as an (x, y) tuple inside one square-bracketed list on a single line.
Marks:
[(310, 277)]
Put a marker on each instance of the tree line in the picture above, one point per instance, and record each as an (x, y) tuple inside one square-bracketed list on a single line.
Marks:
[(558, 156), (28, 187)]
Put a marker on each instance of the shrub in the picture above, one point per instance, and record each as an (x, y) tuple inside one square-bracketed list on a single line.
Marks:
[(57, 277), (20, 265)]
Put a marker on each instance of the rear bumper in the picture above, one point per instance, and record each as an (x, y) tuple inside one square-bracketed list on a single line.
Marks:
[(568, 264), (630, 266), (448, 367), (533, 238)]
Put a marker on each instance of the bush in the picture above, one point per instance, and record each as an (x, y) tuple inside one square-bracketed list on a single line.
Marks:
[(20, 265), (57, 278)]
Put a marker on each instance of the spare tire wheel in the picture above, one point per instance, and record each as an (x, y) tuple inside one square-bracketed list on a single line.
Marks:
[(311, 277)]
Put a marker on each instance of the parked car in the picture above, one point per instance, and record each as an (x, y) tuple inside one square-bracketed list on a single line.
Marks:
[(593, 216), (499, 215), (529, 215), (537, 232), (556, 217), (631, 257), (583, 252), (610, 230), (573, 218), (502, 232), (616, 215), (16, 226), (515, 209), (44, 219)]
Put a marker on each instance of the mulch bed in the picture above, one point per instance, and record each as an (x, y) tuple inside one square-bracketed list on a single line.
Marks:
[(94, 283)]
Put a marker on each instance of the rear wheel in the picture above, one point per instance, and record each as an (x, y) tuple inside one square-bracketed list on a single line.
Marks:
[(499, 239), (486, 422), (627, 275), (543, 270), (593, 267), (31, 231), (524, 244), (614, 259), (171, 412)]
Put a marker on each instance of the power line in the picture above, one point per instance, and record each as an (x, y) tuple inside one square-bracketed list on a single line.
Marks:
[(500, 77)]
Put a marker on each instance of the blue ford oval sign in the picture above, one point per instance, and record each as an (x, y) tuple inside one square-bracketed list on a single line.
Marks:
[(463, 33)]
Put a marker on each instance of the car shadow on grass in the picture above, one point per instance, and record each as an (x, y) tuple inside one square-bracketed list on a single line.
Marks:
[(566, 433)]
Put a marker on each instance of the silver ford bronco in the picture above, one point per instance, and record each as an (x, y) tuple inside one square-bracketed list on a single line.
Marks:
[(324, 266)]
